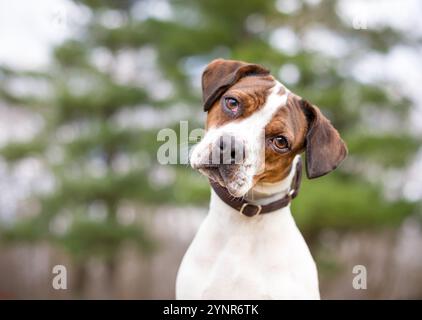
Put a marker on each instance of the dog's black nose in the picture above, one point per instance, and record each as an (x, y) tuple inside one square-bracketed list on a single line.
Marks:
[(231, 150)]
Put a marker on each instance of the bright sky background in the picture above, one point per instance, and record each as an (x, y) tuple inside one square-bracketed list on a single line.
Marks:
[(28, 29)]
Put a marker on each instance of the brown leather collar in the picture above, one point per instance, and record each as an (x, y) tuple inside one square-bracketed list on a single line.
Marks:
[(250, 209)]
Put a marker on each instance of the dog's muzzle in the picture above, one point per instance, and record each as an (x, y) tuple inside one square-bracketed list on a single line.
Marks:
[(224, 159)]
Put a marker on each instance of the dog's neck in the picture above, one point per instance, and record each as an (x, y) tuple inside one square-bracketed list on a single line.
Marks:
[(264, 193)]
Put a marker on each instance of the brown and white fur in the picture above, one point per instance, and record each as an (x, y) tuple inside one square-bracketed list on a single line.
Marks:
[(262, 257)]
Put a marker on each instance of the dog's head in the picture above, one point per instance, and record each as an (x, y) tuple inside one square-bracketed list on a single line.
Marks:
[(255, 128)]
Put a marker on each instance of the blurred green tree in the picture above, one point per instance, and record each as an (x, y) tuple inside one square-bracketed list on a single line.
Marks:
[(142, 60)]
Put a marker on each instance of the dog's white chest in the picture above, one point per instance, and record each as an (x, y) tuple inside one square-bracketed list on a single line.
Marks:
[(234, 257)]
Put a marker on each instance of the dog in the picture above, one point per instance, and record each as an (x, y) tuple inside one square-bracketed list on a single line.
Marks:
[(248, 246)]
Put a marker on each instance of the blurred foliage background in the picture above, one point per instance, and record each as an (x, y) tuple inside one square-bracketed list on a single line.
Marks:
[(133, 67)]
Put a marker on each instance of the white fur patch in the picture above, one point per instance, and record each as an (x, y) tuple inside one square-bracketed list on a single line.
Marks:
[(236, 257)]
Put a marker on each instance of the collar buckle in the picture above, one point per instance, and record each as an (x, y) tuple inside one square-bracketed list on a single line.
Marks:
[(257, 211)]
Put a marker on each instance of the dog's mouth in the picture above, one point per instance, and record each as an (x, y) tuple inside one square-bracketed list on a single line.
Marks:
[(212, 172), (227, 176)]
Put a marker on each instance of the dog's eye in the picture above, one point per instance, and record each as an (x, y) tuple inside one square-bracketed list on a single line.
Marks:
[(232, 105), (280, 143)]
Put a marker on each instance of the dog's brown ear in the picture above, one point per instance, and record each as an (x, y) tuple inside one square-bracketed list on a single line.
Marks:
[(221, 74), (325, 150)]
